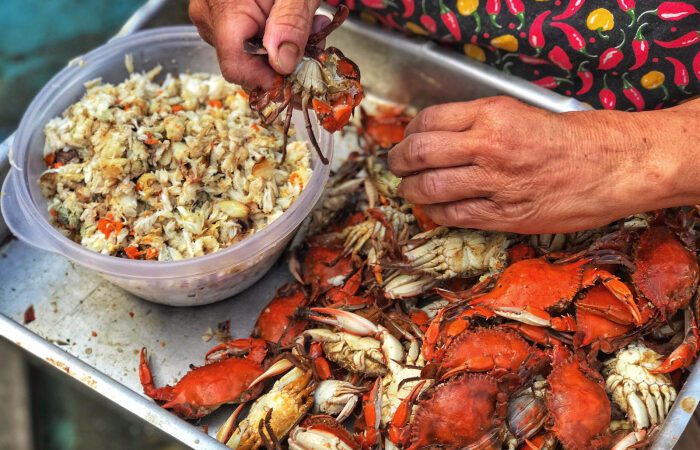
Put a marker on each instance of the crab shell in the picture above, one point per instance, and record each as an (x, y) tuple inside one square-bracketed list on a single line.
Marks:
[(465, 412), (290, 399), (279, 321), (204, 389), (321, 432), (666, 271), (486, 350), (602, 319), (324, 268), (578, 406)]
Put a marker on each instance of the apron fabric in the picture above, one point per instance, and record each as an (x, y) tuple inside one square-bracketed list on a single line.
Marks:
[(625, 54)]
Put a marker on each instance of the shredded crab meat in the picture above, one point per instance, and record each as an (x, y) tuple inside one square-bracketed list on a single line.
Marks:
[(169, 170)]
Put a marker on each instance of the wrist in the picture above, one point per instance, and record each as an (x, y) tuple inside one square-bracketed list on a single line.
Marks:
[(643, 161), (673, 155)]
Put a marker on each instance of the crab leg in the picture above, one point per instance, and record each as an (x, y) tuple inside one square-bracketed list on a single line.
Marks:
[(277, 368), (403, 414), (309, 128), (684, 354), (163, 394), (338, 19), (285, 138), (372, 409)]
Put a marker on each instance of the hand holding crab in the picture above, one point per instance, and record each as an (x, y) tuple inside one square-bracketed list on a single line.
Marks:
[(284, 24)]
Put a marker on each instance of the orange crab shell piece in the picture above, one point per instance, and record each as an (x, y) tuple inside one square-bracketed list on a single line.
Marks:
[(667, 272), (579, 407), (280, 321), (464, 411), (485, 350), (600, 317)]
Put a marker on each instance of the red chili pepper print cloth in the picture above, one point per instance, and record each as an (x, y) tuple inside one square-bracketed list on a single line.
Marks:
[(623, 54)]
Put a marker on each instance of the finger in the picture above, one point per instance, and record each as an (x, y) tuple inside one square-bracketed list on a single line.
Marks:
[(199, 14), (233, 23), (435, 150), (286, 32), (446, 117), (479, 213), (446, 185)]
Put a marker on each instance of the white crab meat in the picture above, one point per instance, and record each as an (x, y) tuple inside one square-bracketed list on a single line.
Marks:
[(646, 397)]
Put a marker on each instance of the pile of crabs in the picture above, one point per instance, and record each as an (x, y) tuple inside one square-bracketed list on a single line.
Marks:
[(399, 333)]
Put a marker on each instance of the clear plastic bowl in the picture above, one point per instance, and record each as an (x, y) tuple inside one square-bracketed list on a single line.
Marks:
[(195, 281)]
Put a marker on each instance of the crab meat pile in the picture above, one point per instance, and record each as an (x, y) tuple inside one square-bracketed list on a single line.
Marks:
[(169, 170)]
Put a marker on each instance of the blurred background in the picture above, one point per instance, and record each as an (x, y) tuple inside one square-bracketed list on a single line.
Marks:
[(41, 407)]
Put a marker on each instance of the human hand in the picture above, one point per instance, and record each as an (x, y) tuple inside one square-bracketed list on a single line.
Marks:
[(498, 164), (284, 24)]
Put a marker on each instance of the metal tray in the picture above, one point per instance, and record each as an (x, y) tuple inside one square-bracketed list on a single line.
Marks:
[(93, 331)]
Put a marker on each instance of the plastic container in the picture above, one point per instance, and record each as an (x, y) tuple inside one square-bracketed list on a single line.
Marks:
[(194, 281)]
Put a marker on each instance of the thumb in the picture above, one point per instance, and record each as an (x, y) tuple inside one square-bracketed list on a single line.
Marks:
[(286, 32)]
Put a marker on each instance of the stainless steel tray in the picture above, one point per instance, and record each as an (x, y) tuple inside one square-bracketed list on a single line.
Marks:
[(92, 330)]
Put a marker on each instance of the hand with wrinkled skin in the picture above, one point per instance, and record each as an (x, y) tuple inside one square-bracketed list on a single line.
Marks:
[(284, 24), (498, 164)]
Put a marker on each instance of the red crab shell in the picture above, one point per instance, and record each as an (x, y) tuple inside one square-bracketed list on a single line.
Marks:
[(537, 283), (578, 405), (325, 268), (204, 389), (600, 317), (280, 321), (468, 410), (667, 272), (486, 350)]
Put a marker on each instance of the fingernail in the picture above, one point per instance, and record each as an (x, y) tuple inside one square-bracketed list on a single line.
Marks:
[(287, 57)]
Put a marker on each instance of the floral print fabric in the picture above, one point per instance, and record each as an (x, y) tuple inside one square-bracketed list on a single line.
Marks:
[(624, 54)]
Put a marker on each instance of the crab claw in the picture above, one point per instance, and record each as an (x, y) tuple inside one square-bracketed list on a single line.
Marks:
[(236, 347), (226, 430), (277, 368), (681, 357), (345, 320)]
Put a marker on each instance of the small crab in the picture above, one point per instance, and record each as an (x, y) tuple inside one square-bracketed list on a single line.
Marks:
[(645, 396), (324, 79), (226, 379)]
